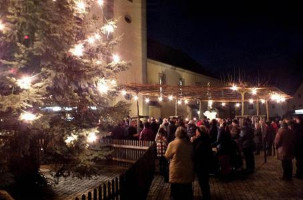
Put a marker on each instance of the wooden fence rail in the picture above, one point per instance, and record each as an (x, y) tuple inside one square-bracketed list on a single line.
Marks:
[(135, 182)]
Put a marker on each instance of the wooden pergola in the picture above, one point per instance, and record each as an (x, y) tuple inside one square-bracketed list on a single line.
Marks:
[(225, 94)]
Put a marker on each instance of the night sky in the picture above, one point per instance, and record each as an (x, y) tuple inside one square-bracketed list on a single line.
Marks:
[(262, 40)]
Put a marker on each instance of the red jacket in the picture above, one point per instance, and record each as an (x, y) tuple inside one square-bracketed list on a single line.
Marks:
[(285, 140)]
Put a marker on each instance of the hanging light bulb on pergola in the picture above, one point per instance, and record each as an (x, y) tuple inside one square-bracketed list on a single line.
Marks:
[(251, 101), (223, 104), (234, 87), (147, 100), (262, 100), (160, 98), (170, 97), (123, 92), (237, 105), (136, 98), (179, 102), (186, 101), (254, 91)]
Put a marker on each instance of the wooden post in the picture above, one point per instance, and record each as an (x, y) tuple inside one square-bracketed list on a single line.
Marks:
[(267, 110), (258, 106), (138, 117), (242, 103), (176, 107), (200, 109)]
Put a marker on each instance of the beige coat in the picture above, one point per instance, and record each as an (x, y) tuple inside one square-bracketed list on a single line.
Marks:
[(285, 142), (181, 169)]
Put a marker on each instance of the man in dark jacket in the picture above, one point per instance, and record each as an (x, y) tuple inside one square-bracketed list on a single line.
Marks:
[(248, 145), (284, 142), (147, 134), (171, 129), (202, 159), (298, 130)]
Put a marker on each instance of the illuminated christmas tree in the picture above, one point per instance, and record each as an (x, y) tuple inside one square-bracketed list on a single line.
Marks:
[(57, 79)]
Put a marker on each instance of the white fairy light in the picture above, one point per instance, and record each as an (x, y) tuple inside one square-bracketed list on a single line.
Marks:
[(160, 98), (80, 6), (25, 82), (27, 116), (185, 101), (2, 26), (262, 100), (98, 62), (113, 82), (198, 112), (109, 28), (100, 2), (136, 97), (70, 139), (103, 86), (97, 36), (251, 101), (254, 91), (179, 102), (147, 100), (234, 88), (123, 92), (91, 137), (186, 119), (77, 50), (237, 105), (170, 97), (91, 40), (223, 104), (116, 58)]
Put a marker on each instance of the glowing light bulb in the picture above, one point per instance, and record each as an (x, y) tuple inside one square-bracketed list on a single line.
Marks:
[(262, 100), (186, 119), (113, 82), (186, 101), (251, 101), (2, 26), (179, 102), (91, 137), (147, 100), (103, 86), (97, 36), (25, 82), (234, 88), (237, 105), (100, 2), (160, 98), (282, 99), (80, 6), (170, 97), (123, 92), (109, 28), (116, 58), (77, 50), (27, 116), (254, 91), (136, 97), (198, 112), (98, 62), (223, 104), (70, 139), (91, 40)]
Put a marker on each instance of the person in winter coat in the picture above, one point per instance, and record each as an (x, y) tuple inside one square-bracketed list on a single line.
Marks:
[(203, 159), (171, 129), (258, 137), (247, 145), (191, 129), (181, 170), (298, 129), (213, 131), (161, 143), (147, 134), (285, 149), (269, 138)]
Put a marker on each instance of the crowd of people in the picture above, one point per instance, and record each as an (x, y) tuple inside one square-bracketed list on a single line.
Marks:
[(216, 146)]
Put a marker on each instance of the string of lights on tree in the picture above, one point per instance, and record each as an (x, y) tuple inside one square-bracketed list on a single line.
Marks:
[(78, 50)]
